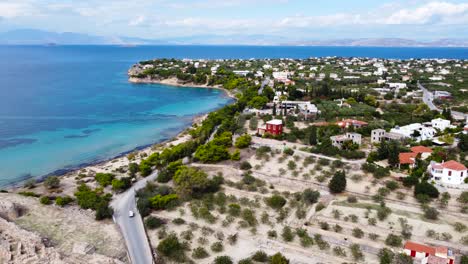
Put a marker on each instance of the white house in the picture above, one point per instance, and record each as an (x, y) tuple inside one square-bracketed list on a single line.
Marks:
[(339, 140), (415, 130), (450, 172), (397, 85), (440, 124)]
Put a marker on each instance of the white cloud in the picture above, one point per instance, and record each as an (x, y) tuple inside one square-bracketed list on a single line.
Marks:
[(137, 21), (434, 12), (12, 10)]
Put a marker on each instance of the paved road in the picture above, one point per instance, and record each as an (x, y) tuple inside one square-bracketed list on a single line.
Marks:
[(132, 228), (428, 98), (265, 82)]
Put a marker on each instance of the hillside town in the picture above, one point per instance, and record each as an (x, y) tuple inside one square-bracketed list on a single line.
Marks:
[(320, 160)]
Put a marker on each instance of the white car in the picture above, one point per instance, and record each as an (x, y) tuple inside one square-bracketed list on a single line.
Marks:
[(131, 214)]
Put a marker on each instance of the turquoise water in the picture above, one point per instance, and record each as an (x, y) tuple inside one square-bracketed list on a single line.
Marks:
[(63, 109)]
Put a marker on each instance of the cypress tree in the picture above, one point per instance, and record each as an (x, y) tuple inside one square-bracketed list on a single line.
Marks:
[(338, 183)]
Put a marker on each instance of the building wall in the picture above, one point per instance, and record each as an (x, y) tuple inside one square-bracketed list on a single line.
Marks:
[(449, 176)]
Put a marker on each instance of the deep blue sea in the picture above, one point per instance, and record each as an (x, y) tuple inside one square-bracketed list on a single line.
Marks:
[(64, 106)]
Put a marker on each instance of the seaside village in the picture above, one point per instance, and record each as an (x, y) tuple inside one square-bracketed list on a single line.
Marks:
[(320, 160)]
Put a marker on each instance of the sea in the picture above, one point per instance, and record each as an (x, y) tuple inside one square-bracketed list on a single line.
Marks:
[(63, 107)]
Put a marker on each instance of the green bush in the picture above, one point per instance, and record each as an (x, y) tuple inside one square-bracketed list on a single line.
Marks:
[(393, 240), (52, 182), (426, 188), (160, 202), (121, 185), (171, 248), (104, 179), (278, 258), (245, 165), (243, 141), (154, 222), (62, 201), (45, 200), (217, 247), (223, 260), (200, 253), (276, 201), (260, 256)]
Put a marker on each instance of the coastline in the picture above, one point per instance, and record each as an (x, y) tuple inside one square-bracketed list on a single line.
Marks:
[(113, 163), (175, 82)]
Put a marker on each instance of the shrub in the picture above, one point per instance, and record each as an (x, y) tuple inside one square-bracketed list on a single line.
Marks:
[(217, 247), (391, 185), (386, 256), (178, 221), (223, 260), (52, 182), (243, 141), (121, 185), (276, 201), (154, 222), (319, 206), (104, 179), (278, 258), (245, 165), (287, 234), (234, 209), (260, 256), (45, 200), (357, 232), (356, 252), (426, 188), (310, 196), (288, 151), (393, 240), (352, 199), (431, 213), (62, 201), (200, 253), (171, 248), (272, 234)]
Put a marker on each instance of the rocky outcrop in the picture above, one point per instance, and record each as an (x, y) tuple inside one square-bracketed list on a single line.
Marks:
[(18, 246), (10, 210)]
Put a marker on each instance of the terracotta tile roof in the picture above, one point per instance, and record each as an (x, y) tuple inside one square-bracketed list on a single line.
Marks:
[(347, 122), (407, 157), (421, 149), (453, 165), (420, 248)]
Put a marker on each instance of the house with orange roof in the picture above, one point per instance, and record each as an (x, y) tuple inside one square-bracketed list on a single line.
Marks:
[(424, 151), (429, 255), (345, 123), (407, 158), (450, 172)]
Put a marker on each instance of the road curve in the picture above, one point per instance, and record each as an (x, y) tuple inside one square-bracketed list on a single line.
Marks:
[(132, 228)]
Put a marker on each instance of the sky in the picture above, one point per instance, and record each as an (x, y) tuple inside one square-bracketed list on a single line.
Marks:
[(295, 19)]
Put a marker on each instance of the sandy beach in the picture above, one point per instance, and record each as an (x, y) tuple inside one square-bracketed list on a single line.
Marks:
[(175, 82)]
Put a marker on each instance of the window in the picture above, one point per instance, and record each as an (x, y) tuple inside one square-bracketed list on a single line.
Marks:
[(450, 173)]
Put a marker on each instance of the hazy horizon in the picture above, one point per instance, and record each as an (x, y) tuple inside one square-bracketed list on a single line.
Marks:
[(418, 20)]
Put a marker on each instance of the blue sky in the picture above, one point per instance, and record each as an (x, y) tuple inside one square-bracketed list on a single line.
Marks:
[(295, 19)]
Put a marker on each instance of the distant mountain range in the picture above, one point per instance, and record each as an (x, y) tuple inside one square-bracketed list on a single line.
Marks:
[(39, 37)]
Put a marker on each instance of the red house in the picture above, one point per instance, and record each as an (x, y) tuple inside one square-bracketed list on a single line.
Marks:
[(429, 255), (274, 127)]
